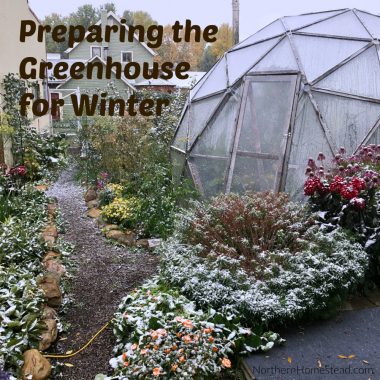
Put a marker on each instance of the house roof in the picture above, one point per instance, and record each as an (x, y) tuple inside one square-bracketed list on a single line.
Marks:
[(191, 81), (86, 63), (112, 14)]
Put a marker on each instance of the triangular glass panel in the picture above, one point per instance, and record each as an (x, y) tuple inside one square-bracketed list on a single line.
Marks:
[(375, 137), (240, 61), (371, 22), (209, 174), (308, 139), (319, 54), (344, 25), (349, 120), (178, 161), (200, 113), (180, 139), (360, 76), (272, 30), (296, 22), (216, 81), (216, 140), (280, 57)]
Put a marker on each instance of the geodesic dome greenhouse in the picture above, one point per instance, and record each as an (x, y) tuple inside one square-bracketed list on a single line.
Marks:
[(301, 85)]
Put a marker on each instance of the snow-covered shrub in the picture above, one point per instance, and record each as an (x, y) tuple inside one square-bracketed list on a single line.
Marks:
[(160, 333), (346, 193), (245, 225), (280, 285)]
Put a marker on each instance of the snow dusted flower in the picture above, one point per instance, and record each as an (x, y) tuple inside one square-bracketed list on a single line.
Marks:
[(358, 203)]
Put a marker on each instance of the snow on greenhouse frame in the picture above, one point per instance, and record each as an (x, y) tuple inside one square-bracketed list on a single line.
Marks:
[(301, 85)]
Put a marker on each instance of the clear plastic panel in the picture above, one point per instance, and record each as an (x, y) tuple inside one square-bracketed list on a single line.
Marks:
[(272, 30), (280, 58), (210, 174), (217, 138), (308, 139), (240, 61), (200, 113), (180, 140), (371, 22), (296, 22), (375, 138), (349, 120), (254, 174), (216, 81), (267, 116), (360, 76), (344, 25), (178, 164), (195, 89), (319, 54)]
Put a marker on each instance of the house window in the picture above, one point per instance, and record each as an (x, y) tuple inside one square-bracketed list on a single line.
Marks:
[(105, 53), (126, 56), (96, 51)]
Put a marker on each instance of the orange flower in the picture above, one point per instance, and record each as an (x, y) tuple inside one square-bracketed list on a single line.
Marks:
[(207, 331), (226, 363), (156, 372), (179, 335), (162, 332), (215, 349), (187, 323), (174, 367), (178, 319), (155, 348), (167, 351), (143, 352), (134, 346), (182, 359), (126, 364), (211, 339), (125, 315), (124, 356), (174, 347), (154, 335), (187, 339)]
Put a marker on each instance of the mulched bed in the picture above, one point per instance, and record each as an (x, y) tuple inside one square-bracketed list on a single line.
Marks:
[(105, 273)]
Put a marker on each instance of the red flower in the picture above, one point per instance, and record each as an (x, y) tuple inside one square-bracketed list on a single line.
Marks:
[(337, 184), (349, 192), (358, 203), (358, 183), (312, 185)]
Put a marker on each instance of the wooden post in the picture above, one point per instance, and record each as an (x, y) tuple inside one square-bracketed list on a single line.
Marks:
[(236, 21)]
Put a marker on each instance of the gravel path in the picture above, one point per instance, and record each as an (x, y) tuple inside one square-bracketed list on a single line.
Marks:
[(105, 275)]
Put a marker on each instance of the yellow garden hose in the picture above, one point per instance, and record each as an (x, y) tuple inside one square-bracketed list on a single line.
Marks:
[(66, 356)]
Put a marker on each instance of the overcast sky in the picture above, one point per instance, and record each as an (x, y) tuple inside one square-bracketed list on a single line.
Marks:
[(254, 14)]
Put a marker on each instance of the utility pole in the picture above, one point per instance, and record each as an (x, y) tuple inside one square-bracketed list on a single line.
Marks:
[(236, 20)]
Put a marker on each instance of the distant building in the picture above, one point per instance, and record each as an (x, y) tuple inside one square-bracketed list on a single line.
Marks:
[(12, 12)]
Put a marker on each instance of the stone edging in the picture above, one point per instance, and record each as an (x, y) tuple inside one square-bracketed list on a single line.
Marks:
[(35, 365)]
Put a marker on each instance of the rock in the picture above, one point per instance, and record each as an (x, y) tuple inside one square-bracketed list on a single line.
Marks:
[(49, 313), (51, 255), (52, 208), (50, 286), (143, 243), (35, 367), (41, 187), (54, 266), (49, 335), (50, 230), (93, 204), (93, 213), (110, 227), (127, 238), (153, 243), (50, 241), (90, 195)]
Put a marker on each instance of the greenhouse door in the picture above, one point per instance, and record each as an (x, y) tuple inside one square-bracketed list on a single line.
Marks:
[(262, 133)]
